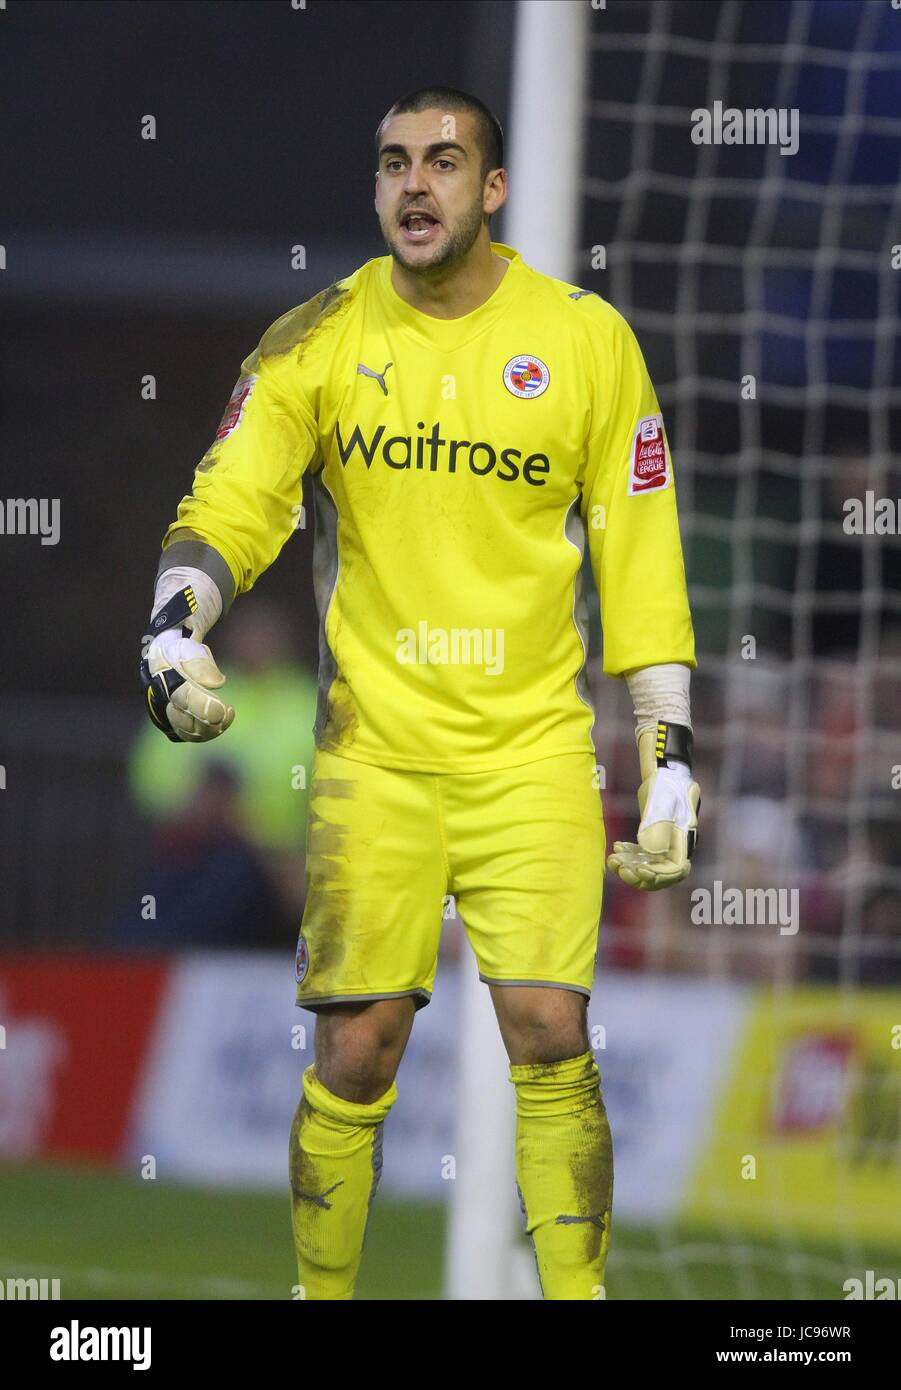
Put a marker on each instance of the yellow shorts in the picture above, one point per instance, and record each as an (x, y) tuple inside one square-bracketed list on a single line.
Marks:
[(521, 850)]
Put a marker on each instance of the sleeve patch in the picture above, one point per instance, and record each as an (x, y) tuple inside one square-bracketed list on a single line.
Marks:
[(650, 470), (235, 408)]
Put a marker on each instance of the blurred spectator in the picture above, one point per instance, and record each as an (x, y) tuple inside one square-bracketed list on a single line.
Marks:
[(204, 884), (841, 575), (853, 908), (269, 748), (880, 938)]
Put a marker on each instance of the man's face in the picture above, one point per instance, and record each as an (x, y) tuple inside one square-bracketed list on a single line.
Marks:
[(431, 161)]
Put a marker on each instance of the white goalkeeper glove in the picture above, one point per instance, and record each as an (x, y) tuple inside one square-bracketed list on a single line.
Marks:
[(178, 674), (669, 802)]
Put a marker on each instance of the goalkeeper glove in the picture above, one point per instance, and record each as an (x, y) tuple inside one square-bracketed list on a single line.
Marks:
[(178, 673), (669, 802)]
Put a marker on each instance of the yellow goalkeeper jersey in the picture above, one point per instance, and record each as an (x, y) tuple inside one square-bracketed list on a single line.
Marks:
[(456, 467)]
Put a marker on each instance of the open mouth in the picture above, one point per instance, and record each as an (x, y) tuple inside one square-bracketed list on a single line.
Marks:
[(419, 226)]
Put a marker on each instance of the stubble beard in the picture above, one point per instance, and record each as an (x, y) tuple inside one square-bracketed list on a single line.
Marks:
[(458, 243)]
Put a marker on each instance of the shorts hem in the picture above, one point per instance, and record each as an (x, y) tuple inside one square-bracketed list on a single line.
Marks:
[(427, 766), (545, 984), (419, 993)]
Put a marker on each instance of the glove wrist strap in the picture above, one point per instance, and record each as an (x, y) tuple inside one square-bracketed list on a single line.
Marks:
[(663, 743), (176, 611), (673, 742)]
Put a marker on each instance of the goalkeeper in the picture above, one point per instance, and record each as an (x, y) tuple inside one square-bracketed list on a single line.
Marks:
[(463, 424)]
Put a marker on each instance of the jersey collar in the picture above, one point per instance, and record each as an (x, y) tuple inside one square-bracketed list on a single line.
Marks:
[(448, 334)]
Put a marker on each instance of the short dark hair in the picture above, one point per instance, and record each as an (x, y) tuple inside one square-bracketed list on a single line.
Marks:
[(491, 136)]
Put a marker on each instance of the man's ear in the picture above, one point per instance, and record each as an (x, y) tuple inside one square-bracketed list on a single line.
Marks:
[(500, 190)]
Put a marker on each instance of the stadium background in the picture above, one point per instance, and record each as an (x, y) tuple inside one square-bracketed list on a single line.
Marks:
[(127, 1036)]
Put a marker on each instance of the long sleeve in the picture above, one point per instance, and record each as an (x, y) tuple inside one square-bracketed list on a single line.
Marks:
[(629, 509), (246, 497)]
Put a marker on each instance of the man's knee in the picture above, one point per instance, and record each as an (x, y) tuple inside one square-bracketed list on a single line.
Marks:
[(359, 1046), (540, 1024)]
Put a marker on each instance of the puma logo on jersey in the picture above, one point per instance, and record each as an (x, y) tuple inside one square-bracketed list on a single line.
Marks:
[(578, 294), (597, 1219), (377, 376)]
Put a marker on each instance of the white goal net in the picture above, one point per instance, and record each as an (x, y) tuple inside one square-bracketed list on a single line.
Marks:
[(740, 204)]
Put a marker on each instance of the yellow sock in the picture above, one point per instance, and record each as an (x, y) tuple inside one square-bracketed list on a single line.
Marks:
[(335, 1166), (564, 1172)]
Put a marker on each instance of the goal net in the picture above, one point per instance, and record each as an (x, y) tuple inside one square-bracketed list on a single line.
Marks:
[(739, 200)]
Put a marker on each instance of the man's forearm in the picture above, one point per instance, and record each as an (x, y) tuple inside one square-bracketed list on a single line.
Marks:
[(669, 799), (185, 597), (660, 692), (190, 551)]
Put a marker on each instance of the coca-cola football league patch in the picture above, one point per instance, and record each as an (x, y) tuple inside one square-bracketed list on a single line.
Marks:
[(650, 470)]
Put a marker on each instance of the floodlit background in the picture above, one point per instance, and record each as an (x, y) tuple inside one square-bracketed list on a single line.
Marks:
[(150, 1064)]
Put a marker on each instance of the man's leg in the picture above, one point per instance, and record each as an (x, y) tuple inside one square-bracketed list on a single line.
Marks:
[(336, 1138), (564, 1151), (526, 850), (366, 960)]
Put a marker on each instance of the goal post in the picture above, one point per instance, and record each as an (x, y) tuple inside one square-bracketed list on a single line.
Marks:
[(486, 1255)]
